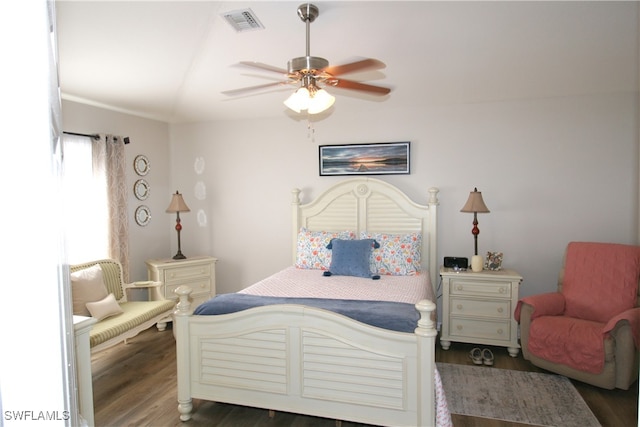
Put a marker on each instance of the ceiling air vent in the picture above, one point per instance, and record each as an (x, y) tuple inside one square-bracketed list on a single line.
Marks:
[(243, 20)]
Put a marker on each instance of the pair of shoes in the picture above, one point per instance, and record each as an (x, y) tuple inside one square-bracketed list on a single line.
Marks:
[(487, 357), (476, 356)]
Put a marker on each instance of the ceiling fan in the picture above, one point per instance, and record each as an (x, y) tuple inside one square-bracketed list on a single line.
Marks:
[(311, 73)]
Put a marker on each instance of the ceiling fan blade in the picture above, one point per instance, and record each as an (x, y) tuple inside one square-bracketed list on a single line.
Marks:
[(363, 65), (350, 84), (240, 91), (264, 67)]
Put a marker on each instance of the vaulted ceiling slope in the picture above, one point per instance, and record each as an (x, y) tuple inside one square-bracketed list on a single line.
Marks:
[(170, 60)]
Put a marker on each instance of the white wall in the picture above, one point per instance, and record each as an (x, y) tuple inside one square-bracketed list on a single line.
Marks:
[(148, 137), (551, 171)]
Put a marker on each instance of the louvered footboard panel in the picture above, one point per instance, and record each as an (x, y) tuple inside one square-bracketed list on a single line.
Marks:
[(254, 361), (337, 371)]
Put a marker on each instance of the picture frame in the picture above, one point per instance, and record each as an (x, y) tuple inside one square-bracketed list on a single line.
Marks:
[(380, 158), (493, 261)]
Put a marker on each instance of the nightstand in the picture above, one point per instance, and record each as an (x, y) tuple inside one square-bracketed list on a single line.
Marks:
[(199, 273), (478, 308)]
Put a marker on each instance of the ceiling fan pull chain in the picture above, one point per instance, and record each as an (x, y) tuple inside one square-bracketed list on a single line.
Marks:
[(311, 131)]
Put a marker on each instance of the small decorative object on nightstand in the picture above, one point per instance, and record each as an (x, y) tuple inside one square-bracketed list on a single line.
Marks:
[(477, 307), (199, 273)]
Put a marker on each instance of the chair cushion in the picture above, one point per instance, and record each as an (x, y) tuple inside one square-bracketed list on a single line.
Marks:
[(87, 286), (135, 313), (572, 342), (600, 280)]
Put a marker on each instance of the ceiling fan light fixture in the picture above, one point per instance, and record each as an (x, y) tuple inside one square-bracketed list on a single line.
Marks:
[(320, 101), (299, 100), (310, 98)]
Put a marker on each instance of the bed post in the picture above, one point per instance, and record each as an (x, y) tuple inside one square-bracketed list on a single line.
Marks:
[(433, 235), (426, 333), (183, 359), (295, 221)]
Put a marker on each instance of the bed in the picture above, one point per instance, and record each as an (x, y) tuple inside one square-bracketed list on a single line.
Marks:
[(289, 356)]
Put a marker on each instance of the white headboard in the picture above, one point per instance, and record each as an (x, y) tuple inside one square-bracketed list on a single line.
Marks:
[(368, 204)]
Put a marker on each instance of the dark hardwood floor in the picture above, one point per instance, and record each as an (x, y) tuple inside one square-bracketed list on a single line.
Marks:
[(134, 384)]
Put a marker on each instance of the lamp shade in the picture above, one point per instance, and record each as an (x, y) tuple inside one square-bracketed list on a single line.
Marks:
[(177, 204), (475, 203)]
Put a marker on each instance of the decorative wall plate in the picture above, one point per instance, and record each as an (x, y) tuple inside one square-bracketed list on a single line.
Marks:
[(141, 165), (141, 189), (143, 215), (198, 165)]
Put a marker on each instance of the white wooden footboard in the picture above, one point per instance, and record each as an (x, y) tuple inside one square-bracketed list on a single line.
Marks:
[(306, 360)]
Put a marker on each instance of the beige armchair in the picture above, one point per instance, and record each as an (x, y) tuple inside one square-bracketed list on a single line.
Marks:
[(588, 330)]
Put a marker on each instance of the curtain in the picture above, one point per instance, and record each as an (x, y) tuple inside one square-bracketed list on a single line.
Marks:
[(109, 159), (85, 202)]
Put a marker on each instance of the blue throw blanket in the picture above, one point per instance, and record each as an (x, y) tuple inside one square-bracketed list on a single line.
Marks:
[(394, 316)]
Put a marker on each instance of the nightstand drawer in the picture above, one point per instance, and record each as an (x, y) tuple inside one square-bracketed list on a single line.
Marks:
[(480, 288), (498, 309), (474, 328), (198, 287), (184, 274)]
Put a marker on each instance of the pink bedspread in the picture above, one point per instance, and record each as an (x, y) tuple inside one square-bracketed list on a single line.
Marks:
[(303, 283)]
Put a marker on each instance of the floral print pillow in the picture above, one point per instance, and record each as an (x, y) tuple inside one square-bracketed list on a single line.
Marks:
[(312, 252), (398, 254)]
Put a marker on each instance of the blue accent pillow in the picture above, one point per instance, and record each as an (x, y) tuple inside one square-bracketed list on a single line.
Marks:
[(351, 257)]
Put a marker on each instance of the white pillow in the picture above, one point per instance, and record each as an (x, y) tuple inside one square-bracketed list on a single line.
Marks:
[(104, 308), (87, 285)]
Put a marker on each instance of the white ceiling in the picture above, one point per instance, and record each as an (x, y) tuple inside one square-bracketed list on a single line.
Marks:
[(170, 60)]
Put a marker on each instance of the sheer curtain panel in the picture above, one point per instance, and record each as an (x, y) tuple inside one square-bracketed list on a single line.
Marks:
[(96, 221), (86, 219)]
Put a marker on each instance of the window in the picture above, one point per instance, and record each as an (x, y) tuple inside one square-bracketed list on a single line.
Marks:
[(86, 217)]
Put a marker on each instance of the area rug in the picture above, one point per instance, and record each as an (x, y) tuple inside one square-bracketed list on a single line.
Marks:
[(514, 396)]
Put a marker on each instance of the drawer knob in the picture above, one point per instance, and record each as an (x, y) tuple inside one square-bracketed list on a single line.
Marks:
[(500, 309), (459, 306), (459, 287), (500, 331), (172, 275), (502, 290), (459, 327), (202, 285)]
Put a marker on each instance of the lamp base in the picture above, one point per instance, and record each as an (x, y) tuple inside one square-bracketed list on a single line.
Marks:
[(179, 256), (476, 263)]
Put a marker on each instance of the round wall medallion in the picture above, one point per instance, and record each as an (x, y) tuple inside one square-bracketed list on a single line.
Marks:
[(198, 165), (200, 190), (141, 165), (141, 189), (143, 215)]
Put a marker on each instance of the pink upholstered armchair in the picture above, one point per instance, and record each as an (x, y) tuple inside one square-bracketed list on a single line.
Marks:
[(588, 330)]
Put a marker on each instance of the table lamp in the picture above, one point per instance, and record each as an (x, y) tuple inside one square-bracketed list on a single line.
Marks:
[(178, 205), (475, 205)]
